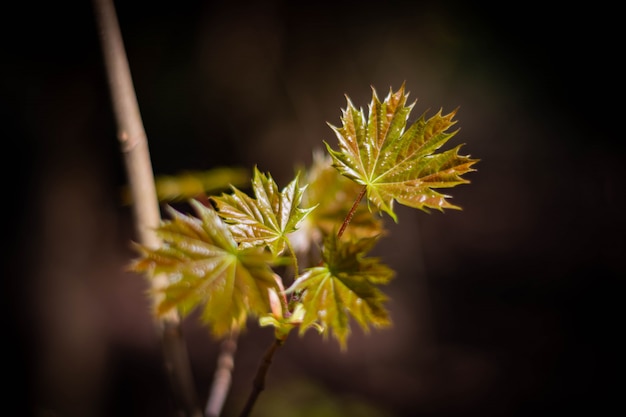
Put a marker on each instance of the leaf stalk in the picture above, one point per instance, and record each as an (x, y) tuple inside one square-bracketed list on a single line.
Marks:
[(351, 212)]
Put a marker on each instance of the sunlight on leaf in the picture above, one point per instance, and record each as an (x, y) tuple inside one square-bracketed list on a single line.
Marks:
[(266, 219), (395, 163), (207, 269)]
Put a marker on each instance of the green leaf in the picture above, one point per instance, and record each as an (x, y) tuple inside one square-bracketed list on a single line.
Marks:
[(207, 269), (266, 219), (396, 163), (345, 285)]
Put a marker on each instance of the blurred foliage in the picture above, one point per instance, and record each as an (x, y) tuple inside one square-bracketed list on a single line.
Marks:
[(193, 184)]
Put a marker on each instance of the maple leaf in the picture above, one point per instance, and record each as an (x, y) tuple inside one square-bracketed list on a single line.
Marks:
[(395, 163), (266, 219), (344, 285), (206, 268)]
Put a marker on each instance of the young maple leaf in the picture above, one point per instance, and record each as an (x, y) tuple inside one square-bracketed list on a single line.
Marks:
[(345, 284), (206, 268), (395, 163), (266, 220)]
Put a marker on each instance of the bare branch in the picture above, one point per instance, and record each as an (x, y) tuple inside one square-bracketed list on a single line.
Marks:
[(134, 147), (258, 384), (223, 376)]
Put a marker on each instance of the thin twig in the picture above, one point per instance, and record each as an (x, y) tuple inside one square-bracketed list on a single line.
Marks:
[(222, 377), (258, 384), (134, 146), (346, 222)]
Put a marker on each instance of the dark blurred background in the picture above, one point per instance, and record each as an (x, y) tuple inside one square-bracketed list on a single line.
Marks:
[(507, 308)]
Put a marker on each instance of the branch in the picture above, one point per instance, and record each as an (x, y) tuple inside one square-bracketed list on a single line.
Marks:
[(258, 384), (134, 146), (223, 376)]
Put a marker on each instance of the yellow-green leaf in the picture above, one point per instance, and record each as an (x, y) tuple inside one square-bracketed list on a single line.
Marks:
[(345, 285), (396, 163), (266, 219), (207, 269)]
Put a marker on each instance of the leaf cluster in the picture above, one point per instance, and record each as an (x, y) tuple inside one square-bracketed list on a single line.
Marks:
[(225, 258)]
